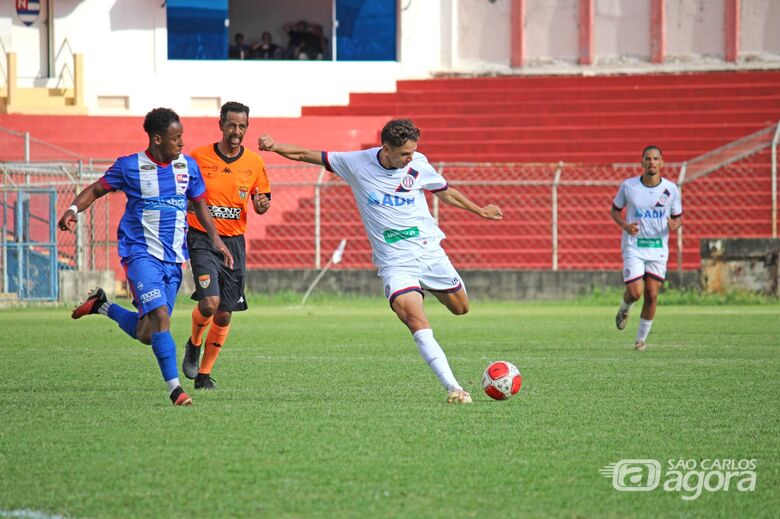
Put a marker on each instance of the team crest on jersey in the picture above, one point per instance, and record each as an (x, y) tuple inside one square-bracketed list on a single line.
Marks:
[(663, 199), (148, 167), (179, 165), (407, 181), (243, 191), (204, 281)]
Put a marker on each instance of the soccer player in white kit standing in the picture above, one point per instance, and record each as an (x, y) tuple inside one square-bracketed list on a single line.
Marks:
[(653, 208), (388, 184)]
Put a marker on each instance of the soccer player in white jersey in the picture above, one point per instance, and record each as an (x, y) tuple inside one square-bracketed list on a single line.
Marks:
[(157, 183), (653, 208), (388, 184)]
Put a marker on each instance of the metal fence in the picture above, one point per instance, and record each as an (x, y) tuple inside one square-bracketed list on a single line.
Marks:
[(556, 216)]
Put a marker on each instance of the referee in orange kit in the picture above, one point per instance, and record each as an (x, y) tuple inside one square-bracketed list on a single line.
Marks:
[(233, 175)]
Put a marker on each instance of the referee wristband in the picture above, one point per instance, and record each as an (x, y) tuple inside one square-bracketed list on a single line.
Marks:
[(74, 209)]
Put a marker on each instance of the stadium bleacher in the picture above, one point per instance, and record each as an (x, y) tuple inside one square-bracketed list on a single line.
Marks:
[(592, 121), (576, 119)]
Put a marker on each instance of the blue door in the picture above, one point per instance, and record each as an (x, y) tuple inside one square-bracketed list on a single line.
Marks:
[(29, 244), (197, 29), (366, 30)]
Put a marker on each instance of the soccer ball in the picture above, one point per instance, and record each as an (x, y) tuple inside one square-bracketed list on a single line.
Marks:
[(501, 380)]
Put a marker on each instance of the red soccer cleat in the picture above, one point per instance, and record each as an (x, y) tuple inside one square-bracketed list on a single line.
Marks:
[(95, 299)]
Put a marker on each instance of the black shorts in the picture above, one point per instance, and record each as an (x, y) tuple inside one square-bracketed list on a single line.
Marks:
[(211, 276)]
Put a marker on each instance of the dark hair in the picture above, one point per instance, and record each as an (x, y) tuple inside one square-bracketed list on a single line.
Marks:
[(159, 120), (232, 106), (398, 131), (652, 147)]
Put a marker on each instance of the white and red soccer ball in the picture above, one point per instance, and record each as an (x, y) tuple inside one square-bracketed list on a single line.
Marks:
[(501, 380)]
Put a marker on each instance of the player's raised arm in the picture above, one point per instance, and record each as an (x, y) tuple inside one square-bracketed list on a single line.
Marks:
[(290, 151), (455, 198), (82, 202)]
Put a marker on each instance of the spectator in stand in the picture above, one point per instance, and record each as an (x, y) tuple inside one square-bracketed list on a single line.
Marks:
[(307, 41), (239, 50), (266, 48), (314, 43), (297, 33)]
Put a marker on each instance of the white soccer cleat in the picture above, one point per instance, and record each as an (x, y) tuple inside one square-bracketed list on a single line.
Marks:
[(458, 396), (621, 319), (640, 345)]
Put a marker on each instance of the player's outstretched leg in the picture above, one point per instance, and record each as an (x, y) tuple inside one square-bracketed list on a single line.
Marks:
[(95, 299)]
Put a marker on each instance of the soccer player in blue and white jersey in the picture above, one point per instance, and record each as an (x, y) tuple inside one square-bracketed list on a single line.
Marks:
[(388, 184), (653, 208), (157, 182)]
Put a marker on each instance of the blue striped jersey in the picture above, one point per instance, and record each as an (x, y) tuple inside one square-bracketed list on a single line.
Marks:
[(155, 219)]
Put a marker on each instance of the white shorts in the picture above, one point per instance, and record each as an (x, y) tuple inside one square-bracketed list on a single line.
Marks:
[(635, 268), (433, 272)]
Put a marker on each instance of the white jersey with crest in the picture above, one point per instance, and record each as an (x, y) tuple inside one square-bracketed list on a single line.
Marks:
[(649, 206), (392, 203)]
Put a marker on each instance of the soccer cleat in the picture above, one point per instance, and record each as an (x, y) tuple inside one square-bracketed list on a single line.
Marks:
[(458, 396), (191, 362), (179, 397), (204, 381), (621, 319), (640, 345), (95, 299)]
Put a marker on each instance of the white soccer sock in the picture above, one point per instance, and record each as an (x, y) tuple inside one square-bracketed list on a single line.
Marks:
[(434, 356), (103, 310), (644, 329), (625, 307), (173, 384)]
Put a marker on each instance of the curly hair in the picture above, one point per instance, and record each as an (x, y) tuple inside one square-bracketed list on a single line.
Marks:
[(398, 131), (159, 120), (232, 106)]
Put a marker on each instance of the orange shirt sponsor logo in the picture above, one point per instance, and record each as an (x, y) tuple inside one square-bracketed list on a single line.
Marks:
[(229, 184)]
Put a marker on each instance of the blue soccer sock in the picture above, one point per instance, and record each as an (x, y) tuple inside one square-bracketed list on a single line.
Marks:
[(165, 350), (126, 319)]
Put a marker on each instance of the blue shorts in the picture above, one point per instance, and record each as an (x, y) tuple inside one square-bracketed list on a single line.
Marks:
[(153, 282)]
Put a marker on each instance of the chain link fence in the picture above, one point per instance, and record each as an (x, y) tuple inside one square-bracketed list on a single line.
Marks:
[(556, 216)]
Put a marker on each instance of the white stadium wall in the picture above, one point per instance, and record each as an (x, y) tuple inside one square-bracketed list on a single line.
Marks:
[(761, 28), (124, 44), (551, 31), (695, 28), (623, 31)]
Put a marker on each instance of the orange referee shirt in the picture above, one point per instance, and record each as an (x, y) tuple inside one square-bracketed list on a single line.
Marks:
[(230, 183)]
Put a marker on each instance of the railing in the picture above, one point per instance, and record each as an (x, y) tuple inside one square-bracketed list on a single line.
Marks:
[(556, 215)]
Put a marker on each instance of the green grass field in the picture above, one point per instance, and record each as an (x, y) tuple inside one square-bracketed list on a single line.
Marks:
[(328, 411)]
